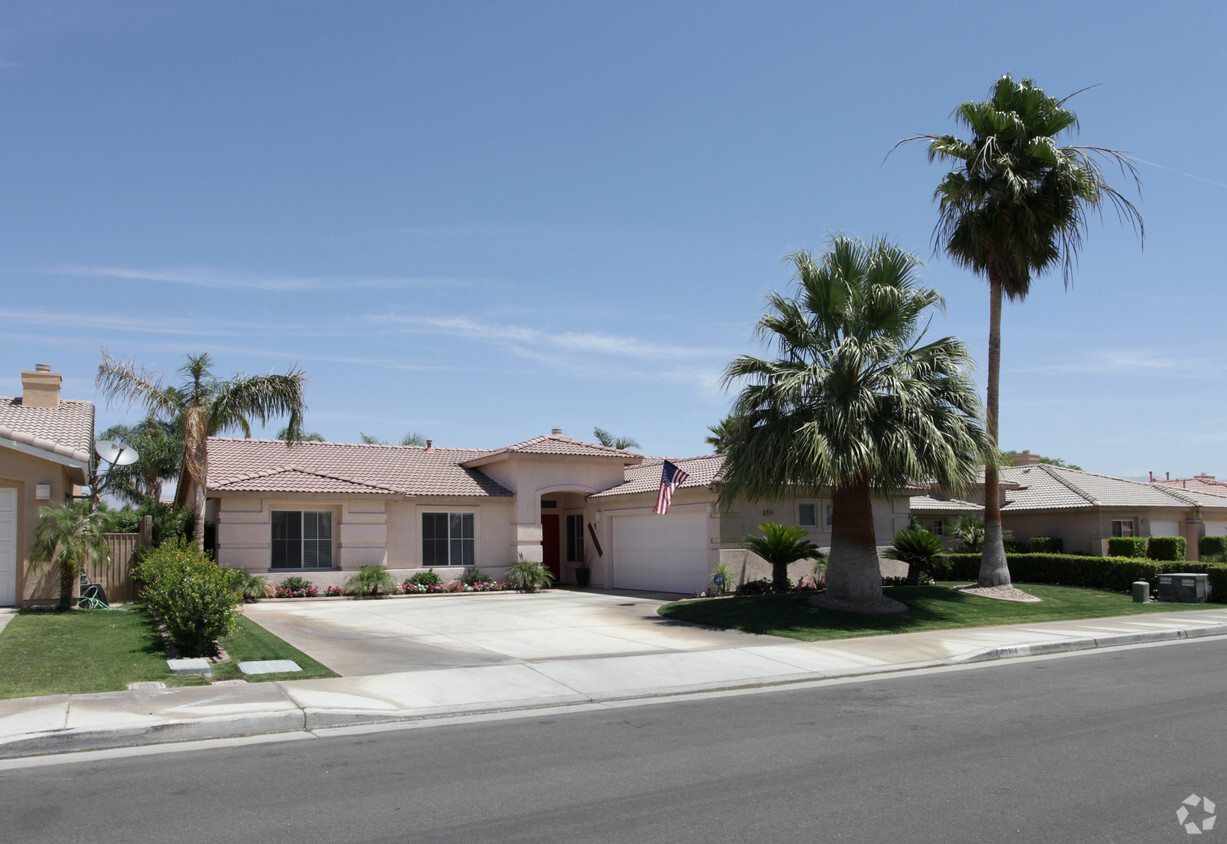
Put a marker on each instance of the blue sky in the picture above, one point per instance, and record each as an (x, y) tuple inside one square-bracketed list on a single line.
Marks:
[(483, 220)]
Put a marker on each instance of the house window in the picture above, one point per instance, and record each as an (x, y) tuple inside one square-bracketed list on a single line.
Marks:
[(807, 515), (447, 539), (830, 516), (937, 527), (1122, 527), (575, 538), (302, 539)]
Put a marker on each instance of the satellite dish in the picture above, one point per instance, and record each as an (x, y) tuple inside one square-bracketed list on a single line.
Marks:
[(116, 453)]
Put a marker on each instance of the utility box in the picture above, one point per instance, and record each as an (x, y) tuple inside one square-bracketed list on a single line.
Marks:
[(1184, 587)]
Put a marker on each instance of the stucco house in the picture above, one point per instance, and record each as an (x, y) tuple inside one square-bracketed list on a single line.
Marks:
[(1085, 509), (323, 510), (45, 448)]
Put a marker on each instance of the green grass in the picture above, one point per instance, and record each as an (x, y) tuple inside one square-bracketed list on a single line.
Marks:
[(80, 652), (929, 608)]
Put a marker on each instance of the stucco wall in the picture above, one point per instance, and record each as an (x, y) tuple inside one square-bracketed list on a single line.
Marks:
[(23, 472)]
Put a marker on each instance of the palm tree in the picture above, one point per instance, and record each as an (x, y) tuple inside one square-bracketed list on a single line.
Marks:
[(411, 438), (781, 545), (159, 449), (303, 437), (922, 551), (69, 536), (1016, 204), (610, 441), (203, 406), (721, 433), (853, 402)]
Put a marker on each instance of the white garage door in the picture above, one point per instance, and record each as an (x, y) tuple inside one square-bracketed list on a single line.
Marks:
[(660, 553), (1164, 528), (8, 547), (1216, 528)]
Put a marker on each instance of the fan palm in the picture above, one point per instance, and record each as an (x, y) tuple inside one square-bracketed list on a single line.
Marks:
[(69, 536), (855, 401), (202, 406), (780, 546), (1016, 204), (610, 441), (721, 433)]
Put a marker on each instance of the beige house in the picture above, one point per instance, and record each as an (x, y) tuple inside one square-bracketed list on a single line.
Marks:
[(45, 448), (1084, 509), (322, 510)]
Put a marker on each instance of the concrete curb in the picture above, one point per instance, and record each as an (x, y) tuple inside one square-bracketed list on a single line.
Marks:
[(306, 719)]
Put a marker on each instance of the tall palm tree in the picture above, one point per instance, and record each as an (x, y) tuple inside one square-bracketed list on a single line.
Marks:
[(159, 449), (69, 536), (303, 437), (855, 401), (411, 438), (1017, 204), (610, 441), (721, 433), (202, 406)]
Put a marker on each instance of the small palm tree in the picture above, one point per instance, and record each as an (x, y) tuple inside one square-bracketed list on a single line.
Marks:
[(781, 545), (203, 406), (855, 402), (610, 441), (922, 551), (70, 537), (1016, 203)]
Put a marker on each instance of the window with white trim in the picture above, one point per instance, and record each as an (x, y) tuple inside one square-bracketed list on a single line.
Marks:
[(1122, 527), (302, 539), (448, 539), (807, 514)]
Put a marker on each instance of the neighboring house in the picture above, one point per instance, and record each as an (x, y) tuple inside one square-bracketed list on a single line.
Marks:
[(322, 510), (1084, 509), (1198, 483), (45, 448)]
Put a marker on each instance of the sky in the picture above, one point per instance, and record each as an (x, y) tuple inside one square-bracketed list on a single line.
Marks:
[(483, 220)]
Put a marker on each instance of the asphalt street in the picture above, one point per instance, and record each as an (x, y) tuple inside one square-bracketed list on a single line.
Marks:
[(1095, 746)]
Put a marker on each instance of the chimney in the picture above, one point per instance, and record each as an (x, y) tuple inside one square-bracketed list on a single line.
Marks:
[(40, 388), (1026, 458), (430, 445), (557, 432), (1152, 476)]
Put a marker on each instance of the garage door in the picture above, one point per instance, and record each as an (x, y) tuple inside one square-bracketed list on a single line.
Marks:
[(1164, 528), (1216, 528), (8, 547), (660, 553)]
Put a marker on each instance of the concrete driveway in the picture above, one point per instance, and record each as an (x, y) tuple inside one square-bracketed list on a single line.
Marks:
[(356, 638)]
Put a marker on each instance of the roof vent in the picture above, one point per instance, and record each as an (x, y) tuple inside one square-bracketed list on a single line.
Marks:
[(557, 432)]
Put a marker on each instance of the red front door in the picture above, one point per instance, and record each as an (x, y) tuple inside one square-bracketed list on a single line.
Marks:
[(550, 544)]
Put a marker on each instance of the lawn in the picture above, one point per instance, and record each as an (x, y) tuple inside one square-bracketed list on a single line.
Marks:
[(929, 608), (79, 652)]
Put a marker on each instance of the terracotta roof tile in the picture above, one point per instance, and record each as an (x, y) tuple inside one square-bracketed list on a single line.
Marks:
[(66, 431), (558, 444), (1210, 485), (703, 471), (272, 466)]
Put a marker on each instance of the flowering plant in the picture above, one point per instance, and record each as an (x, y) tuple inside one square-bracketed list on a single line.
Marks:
[(334, 592), (285, 592)]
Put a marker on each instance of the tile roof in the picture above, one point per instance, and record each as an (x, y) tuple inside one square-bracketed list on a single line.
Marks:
[(65, 431), (1202, 484), (934, 503), (558, 444), (703, 471), (272, 466)]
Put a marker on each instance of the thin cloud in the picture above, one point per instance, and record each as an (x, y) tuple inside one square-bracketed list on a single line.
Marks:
[(221, 279), (1131, 361)]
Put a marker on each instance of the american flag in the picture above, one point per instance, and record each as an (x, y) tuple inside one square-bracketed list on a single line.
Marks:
[(670, 479)]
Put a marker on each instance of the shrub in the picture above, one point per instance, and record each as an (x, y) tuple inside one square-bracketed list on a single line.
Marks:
[(192, 594), (1047, 545), (922, 551), (250, 587), (527, 576), (370, 582), (1166, 548), (294, 583), (473, 576), (426, 578), (762, 586), (1215, 546), (1127, 546), (333, 592), (725, 576)]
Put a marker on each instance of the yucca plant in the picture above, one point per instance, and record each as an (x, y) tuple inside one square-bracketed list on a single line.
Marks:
[(370, 582)]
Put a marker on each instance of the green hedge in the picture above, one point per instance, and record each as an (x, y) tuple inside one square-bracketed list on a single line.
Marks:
[(1212, 545), (1133, 547), (191, 593), (1047, 545), (1165, 548), (1114, 574)]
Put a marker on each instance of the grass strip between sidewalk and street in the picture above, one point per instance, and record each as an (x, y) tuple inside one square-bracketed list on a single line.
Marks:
[(87, 651), (937, 607)]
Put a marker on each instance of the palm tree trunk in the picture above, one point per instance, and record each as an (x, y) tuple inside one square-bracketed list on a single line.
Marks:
[(994, 570), (854, 574), (195, 463), (67, 575)]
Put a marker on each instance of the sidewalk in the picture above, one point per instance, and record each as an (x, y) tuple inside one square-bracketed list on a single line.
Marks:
[(65, 723)]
